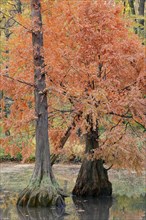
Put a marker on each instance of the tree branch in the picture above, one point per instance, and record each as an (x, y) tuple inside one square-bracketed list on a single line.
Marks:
[(18, 80), (128, 117), (123, 116), (116, 125), (63, 111), (16, 21)]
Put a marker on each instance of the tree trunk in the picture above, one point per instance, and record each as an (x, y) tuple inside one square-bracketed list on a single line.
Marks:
[(141, 12), (131, 4), (43, 190), (92, 179), (19, 6)]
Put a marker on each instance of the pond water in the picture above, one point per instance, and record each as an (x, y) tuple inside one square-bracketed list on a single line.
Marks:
[(128, 202)]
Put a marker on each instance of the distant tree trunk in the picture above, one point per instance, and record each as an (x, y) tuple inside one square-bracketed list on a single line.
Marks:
[(92, 179), (7, 100), (132, 12), (140, 19), (124, 4), (141, 11), (19, 6), (141, 7), (43, 190), (131, 4)]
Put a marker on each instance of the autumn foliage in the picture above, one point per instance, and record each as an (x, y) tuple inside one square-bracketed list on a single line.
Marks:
[(94, 65)]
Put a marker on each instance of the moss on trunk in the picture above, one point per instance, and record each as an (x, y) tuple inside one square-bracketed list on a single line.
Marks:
[(42, 191)]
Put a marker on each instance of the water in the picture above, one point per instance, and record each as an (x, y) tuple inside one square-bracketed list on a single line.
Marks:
[(128, 202)]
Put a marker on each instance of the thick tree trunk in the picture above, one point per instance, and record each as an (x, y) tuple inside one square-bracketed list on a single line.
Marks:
[(92, 179), (43, 189)]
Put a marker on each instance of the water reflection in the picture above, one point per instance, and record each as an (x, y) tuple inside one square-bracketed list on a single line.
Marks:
[(120, 207), (92, 208), (40, 213), (128, 198)]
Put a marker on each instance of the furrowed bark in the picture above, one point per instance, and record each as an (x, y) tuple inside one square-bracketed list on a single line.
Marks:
[(43, 190)]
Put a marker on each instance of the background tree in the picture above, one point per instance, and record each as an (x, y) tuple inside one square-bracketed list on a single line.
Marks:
[(135, 9), (7, 14)]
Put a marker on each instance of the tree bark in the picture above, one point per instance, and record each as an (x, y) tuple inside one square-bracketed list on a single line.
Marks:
[(92, 179), (43, 190)]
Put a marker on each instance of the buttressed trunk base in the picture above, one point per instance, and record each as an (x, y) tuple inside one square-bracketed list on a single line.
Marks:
[(43, 191), (92, 180)]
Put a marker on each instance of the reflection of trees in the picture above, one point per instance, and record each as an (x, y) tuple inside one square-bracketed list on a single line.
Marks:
[(126, 208), (40, 213), (93, 208)]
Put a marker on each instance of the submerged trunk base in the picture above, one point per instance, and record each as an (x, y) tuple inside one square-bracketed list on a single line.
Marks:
[(92, 180), (42, 193)]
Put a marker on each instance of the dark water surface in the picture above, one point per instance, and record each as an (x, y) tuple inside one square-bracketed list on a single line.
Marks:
[(128, 202)]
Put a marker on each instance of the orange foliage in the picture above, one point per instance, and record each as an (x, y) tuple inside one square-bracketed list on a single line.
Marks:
[(93, 65)]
